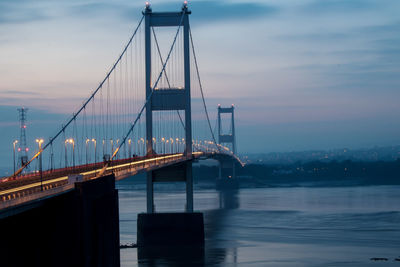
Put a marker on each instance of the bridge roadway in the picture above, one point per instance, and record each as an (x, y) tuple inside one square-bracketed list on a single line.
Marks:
[(28, 187)]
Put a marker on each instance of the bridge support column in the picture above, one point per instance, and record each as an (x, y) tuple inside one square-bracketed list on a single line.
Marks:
[(78, 227), (189, 187), (150, 192), (228, 168), (181, 172)]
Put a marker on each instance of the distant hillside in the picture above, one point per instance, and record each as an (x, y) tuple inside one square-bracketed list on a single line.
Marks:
[(339, 172), (314, 173), (391, 153)]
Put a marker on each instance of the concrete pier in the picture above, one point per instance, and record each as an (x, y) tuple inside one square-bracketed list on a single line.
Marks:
[(170, 229), (76, 228)]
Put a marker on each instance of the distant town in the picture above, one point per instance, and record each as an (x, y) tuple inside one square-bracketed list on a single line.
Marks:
[(389, 153)]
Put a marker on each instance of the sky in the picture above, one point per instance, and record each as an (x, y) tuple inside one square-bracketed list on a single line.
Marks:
[(303, 74)]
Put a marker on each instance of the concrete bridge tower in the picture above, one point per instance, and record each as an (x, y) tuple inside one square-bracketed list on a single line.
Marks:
[(168, 99), (226, 166), (168, 228)]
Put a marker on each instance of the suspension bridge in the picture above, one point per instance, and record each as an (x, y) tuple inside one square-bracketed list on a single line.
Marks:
[(148, 115), (148, 112)]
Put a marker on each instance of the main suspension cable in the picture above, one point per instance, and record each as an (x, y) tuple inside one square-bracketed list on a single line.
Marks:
[(74, 115), (201, 89), (147, 100)]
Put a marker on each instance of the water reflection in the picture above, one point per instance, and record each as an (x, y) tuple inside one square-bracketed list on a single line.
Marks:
[(218, 249), (228, 199), (171, 256), (278, 226)]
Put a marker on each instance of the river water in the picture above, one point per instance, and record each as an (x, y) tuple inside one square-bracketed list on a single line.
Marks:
[(296, 226)]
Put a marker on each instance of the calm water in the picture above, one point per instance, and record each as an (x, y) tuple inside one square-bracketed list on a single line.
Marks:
[(338, 226)]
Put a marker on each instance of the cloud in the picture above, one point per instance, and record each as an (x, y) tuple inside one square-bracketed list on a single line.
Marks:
[(212, 11), (356, 58), (203, 11), (316, 36), (9, 116), (100, 9), (15, 92), (388, 33), (392, 28), (385, 40), (15, 12), (342, 6), (56, 105)]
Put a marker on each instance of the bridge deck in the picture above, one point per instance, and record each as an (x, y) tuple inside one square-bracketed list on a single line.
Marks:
[(28, 187)]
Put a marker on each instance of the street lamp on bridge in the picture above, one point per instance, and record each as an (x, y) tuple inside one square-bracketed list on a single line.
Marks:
[(154, 144), (40, 141), (70, 141), (95, 149), (163, 145), (86, 154), (14, 143), (172, 145), (129, 147), (142, 140)]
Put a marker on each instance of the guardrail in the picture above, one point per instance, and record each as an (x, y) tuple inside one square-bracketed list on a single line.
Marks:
[(33, 191), (38, 195)]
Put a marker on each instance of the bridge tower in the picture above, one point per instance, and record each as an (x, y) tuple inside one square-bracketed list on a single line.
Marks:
[(227, 138), (230, 138), (163, 99), (155, 229)]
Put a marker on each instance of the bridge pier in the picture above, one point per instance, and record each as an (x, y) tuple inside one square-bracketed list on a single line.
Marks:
[(166, 229), (79, 227), (170, 229)]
